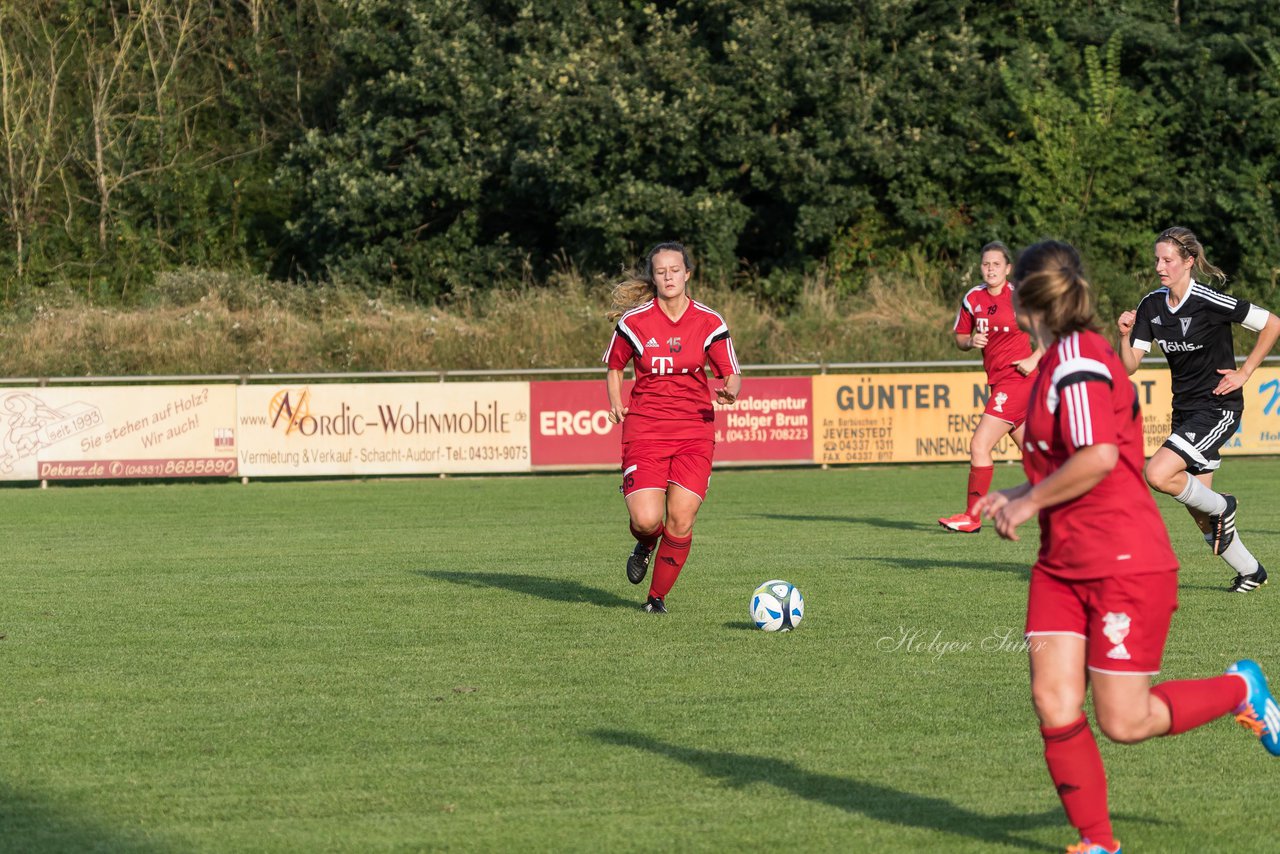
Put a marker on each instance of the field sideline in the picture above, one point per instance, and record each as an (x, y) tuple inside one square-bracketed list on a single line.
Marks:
[(459, 664)]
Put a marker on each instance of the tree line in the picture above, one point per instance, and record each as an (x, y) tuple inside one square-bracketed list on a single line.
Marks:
[(430, 147)]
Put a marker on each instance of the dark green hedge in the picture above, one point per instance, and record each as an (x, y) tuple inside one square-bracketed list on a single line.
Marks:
[(438, 145)]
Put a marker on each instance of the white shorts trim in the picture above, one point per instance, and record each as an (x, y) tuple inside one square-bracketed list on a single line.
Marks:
[(1040, 634), (1123, 672), (1193, 452), (687, 489)]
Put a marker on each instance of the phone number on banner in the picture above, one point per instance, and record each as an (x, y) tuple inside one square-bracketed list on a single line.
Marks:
[(101, 469)]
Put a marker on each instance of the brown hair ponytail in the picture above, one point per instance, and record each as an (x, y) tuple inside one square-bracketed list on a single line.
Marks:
[(1049, 281)]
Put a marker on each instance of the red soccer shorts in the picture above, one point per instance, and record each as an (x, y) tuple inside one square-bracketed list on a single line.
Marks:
[(1008, 400), (1124, 619), (654, 463)]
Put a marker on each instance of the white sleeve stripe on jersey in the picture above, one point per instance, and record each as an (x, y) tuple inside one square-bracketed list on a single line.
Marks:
[(1210, 295), (710, 311), (1078, 414), (1081, 365), (636, 344), (722, 329), (1139, 344), (965, 306), (1256, 318), (733, 356)]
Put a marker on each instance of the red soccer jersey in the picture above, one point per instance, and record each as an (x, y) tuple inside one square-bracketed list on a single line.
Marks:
[(1083, 397), (1006, 343), (671, 398)]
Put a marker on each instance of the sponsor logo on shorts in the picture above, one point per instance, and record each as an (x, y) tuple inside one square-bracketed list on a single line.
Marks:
[(1116, 627)]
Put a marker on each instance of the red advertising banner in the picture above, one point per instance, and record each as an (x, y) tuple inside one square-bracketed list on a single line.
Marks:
[(569, 425), (772, 422)]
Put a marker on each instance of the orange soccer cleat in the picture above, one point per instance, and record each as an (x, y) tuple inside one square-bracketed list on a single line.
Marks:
[(962, 523)]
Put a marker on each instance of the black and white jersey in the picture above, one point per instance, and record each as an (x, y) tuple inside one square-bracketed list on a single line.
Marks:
[(1195, 336)]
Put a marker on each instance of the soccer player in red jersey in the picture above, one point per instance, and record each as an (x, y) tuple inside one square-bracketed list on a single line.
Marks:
[(668, 434), (986, 322), (1192, 323), (1104, 586)]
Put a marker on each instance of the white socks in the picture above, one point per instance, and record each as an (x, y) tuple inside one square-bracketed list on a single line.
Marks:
[(1239, 558), (1200, 497), (1197, 496)]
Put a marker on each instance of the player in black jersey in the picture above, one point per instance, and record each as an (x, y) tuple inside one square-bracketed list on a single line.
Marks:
[(1192, 324)]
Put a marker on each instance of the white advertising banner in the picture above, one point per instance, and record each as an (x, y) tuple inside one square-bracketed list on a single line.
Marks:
[(103, 432), (383, 428)]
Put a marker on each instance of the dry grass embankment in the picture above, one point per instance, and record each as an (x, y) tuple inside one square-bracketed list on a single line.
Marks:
[(199, 322)]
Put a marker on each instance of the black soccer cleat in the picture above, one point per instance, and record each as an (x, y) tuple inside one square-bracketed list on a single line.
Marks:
[(1223, 528), (1247, 583), (638, 563), (654, 606)]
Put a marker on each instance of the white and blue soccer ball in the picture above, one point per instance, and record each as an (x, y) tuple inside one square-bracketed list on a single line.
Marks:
[(777, 606)]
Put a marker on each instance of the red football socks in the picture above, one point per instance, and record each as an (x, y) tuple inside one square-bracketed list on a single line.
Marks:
[(672, 554), (647, 540), (1193, 702), (979, 485), (1075, 766)]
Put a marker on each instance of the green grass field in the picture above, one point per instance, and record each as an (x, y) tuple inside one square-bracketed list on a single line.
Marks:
[(460, 664)]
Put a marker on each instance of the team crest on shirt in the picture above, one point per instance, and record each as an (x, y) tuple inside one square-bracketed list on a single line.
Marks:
[(673, 345), (1186, 324), (1001, 397), (1116, 628)]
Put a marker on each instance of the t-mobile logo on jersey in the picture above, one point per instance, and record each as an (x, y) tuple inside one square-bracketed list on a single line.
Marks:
[(662, 365), (982, 324)]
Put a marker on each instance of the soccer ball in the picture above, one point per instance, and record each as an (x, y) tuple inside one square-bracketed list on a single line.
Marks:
[(777, 606)]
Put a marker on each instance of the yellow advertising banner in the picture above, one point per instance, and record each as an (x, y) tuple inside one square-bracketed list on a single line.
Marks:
[(1155, 396), (930, 417), (1259, 429), (383, 428), (102, 432), (899, 418)]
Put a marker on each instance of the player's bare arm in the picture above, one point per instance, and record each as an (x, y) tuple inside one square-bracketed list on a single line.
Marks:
[(971, 341), (1084, 470), (1131, 356), (613, 381), (729, 392), (1232, 380), (990, 503), (1029, 364)]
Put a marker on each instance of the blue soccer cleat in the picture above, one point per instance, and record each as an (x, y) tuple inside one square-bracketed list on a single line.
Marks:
[(1259, 711), (1087, 847)]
